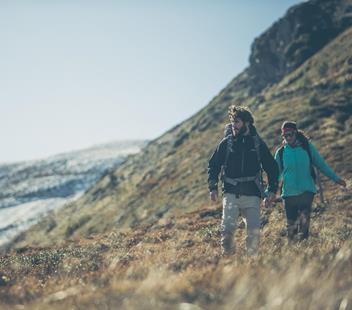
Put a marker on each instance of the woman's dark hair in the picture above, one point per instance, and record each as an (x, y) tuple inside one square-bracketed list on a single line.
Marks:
[(289, 124), (242, 113), (300, 134)]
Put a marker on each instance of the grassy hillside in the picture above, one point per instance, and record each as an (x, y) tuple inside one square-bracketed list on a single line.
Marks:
[(176, 265), (169, 177)]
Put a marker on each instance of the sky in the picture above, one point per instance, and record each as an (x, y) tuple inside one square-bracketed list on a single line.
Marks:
[(75, 73)]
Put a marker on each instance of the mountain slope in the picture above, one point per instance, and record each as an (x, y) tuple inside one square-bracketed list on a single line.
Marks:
[(310, 84), (31, 189)]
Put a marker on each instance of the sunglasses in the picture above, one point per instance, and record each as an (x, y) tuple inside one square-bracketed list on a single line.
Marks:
[(288, 135)]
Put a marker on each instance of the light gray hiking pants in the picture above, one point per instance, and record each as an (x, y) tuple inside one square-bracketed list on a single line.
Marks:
[(249, 207)]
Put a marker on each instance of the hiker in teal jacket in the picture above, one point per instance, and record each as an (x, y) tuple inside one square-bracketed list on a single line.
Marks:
[(296, 158)]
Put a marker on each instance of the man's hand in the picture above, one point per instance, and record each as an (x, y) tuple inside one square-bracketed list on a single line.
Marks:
[(214, 195), (269, 200)]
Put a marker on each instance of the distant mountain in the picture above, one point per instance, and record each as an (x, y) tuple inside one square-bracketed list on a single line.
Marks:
[(30, 189), (300, 69)]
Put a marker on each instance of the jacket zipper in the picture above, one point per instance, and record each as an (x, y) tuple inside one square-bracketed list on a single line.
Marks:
[(242, 166), (296, 166)]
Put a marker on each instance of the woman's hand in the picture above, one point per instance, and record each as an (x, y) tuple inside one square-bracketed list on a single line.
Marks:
[(341, 182), (214, 196), (269, 200)]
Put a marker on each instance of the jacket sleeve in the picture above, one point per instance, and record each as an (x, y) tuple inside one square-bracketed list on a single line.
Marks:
[(270, 167), (214, 165), (319, 162), (277, 159)]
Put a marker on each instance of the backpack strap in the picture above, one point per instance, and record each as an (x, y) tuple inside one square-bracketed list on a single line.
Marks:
[(228, 130), (235, 181), (257, 142), (281, 157), (305, 146), (259, 178), (229, 146), (281, 160)]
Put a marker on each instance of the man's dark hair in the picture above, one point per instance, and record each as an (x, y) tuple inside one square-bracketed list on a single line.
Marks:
[(242, 113)]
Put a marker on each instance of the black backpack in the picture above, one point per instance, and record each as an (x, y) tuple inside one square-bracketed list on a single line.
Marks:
[(256, 138), (257, 142)]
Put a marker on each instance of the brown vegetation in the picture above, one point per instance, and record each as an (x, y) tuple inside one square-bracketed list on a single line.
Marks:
[(177, 261)]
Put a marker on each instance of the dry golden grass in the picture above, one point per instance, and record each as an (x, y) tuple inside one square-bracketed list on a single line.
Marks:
[(176, 264)]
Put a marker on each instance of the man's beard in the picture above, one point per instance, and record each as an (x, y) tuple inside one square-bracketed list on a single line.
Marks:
[(241, 131)]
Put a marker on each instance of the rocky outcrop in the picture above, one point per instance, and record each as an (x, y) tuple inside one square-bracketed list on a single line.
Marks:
[(289, 42)]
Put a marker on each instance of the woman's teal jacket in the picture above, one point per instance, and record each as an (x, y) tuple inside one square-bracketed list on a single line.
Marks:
[(296, 174)]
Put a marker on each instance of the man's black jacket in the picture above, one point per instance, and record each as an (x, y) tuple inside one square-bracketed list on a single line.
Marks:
[(242, 162)]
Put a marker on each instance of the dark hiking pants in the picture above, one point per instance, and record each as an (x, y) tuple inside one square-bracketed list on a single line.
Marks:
[(298, 209)]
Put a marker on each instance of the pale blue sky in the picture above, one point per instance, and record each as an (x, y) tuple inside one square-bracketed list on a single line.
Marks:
[(78, 73)]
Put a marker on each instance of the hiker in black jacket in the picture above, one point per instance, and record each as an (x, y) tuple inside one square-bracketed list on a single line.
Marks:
[(240, 156)]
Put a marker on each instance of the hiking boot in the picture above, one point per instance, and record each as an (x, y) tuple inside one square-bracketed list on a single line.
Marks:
[(252, 253), (228, 252), (227, 246)]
